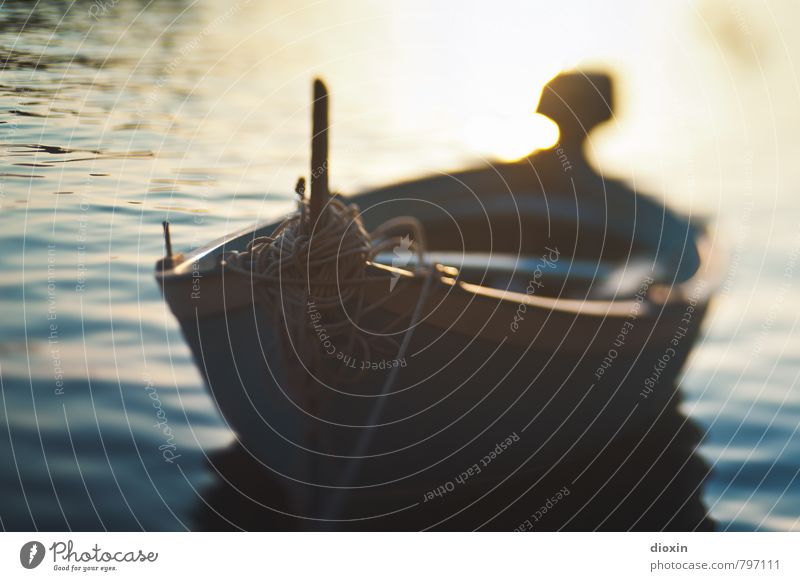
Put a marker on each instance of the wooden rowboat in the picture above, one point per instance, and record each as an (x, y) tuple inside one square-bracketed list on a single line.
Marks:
[(552, 309)]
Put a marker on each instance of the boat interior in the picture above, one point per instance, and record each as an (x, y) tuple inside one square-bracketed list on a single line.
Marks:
[(599, 246), (594, 245)]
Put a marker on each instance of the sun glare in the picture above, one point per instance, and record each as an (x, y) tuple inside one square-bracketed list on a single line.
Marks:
[(512, 138)]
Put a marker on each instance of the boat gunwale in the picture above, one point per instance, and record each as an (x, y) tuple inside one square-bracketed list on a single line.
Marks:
[(700, 286)]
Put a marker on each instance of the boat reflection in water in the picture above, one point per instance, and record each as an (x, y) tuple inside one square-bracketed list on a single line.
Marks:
[(518, 351), (647, 481)]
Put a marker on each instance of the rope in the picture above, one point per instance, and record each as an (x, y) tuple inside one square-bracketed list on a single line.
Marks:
[(325, 265)]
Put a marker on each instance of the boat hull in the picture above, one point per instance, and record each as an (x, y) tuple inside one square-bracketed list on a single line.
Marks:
[(495, 386), (449, 407)]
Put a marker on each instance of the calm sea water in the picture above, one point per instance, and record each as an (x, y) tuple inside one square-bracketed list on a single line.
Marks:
[(115, 116)]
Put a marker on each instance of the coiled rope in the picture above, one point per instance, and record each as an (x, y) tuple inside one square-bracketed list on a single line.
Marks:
[(326, 265)]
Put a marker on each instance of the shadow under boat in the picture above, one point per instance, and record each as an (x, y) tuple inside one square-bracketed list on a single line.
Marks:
[(562, 308), (650, 480)]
